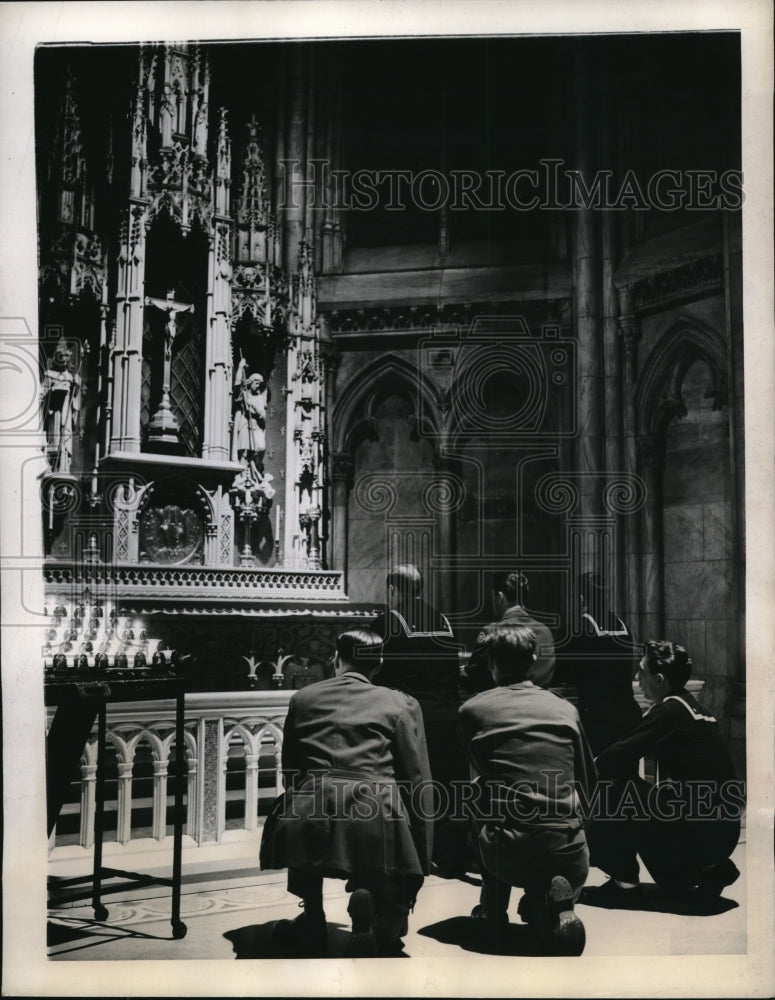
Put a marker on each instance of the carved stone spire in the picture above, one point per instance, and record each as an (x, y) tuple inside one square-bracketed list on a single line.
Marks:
[(252, 208), (223, 166), (71, 251), (139, 143)]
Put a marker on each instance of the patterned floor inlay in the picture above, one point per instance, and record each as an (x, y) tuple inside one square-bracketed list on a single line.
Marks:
[(200, 904)]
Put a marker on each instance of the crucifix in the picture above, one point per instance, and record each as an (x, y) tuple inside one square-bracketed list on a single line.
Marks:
[(164, 427)]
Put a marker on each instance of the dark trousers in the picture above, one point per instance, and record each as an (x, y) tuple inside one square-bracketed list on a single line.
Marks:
[(674, 851), (528, 858), (450, 771), (393, 896)]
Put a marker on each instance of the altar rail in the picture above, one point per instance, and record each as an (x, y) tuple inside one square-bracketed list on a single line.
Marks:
[(222, 729), (233, 746)]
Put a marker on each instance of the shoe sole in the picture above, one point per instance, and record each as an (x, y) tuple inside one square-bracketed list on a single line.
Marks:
[(566, 933), (713, 885), (361, 911), (287, 941)]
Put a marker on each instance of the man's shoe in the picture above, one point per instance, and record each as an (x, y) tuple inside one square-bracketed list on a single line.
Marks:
[(304, 937), (494, 928), (565, 932), (713, 881), (390, 948), (361, 910), (612, 896), (532, 908)]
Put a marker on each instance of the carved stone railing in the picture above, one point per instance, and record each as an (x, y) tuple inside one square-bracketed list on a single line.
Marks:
[(242, 726)]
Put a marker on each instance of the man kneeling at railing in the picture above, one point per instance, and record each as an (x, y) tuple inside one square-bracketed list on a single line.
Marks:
[(354, 760)]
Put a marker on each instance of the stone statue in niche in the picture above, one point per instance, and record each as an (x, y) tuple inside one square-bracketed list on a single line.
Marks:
[(249, 433), (61, 401)]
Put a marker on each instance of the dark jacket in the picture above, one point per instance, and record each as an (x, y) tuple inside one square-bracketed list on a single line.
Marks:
[(346, 745), (477, 675), (599, 661), (420, 658), (682, 736), (527, 746)]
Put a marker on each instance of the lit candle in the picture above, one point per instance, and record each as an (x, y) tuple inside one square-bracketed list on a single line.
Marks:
[(268, 310), (94, 481)]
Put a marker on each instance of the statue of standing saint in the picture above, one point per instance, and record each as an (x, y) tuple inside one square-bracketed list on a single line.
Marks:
[(60, 396), (249, 437)]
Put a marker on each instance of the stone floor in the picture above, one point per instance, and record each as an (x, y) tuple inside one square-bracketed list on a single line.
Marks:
[(229, 915)]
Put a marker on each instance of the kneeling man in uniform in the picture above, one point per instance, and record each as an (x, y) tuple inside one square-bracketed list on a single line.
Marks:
[(358, 804), (531, 759)]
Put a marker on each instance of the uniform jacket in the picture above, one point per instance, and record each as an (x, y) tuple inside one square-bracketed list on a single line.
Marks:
[(683, 737), (477, 676), (346, 746), (420, 657), (527, 747)]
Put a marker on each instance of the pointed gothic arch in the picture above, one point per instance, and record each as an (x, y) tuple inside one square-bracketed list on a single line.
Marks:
[(658, 390), (659, 401), (353, 416)]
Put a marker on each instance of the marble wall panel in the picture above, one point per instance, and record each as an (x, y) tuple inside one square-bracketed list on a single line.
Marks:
[(717, 530), (694, 474), (721, 648), (651, 628), (714, 697), (683, 533), (689, 633), (698, 589), (367, 547)]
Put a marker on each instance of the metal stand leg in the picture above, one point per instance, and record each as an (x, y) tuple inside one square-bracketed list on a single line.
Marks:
[(100, 912), (178, 927)]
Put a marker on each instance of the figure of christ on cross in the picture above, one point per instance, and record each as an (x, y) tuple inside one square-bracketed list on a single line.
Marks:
[(164, 420)]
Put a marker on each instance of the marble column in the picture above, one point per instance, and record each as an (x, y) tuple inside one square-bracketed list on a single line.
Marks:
[(590, 436), (651, 455), (278, 769), (124, 803), (341, 478), (218, 365), (88, 804), (733, 294), (327, 228), (279, 175), (223, 770), (192, 799), (251, 791), (312, 193), (629, 331), (296, 190), (612, 375), (160, 799), (443, 509), (127, 347)]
